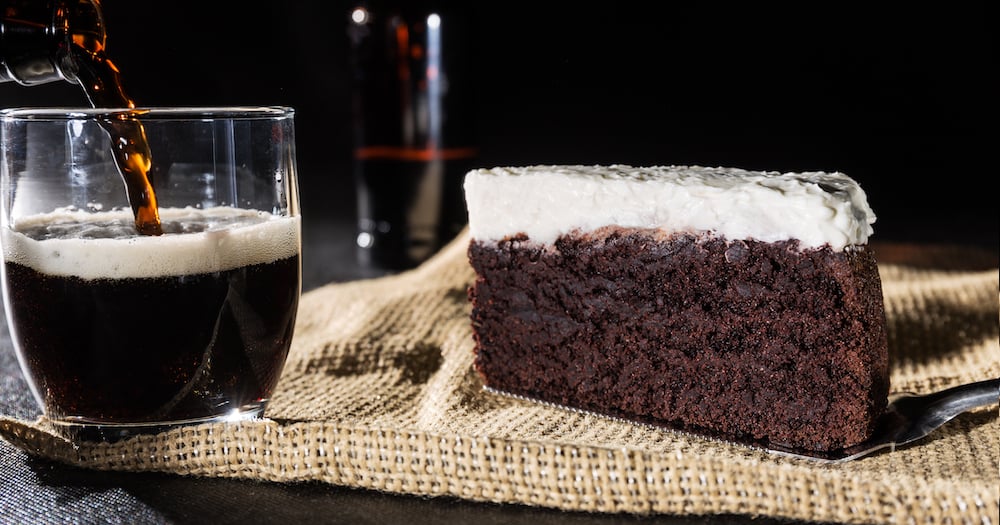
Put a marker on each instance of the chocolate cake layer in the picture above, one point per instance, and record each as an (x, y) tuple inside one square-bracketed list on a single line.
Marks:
[(742, 339)]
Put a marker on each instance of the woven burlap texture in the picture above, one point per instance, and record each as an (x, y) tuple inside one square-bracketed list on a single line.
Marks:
[(379, 393)]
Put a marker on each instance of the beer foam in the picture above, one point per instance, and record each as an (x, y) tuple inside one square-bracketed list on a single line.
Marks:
[(60, 243)]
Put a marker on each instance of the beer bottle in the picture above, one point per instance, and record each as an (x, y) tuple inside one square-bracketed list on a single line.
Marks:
[(413, 127), (40, 41)]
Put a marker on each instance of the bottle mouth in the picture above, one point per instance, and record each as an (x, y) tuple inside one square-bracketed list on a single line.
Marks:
[(39, 39), (147, 113)]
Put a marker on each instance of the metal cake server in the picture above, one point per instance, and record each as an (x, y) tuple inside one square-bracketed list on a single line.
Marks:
[(910, 417), (907, 418)]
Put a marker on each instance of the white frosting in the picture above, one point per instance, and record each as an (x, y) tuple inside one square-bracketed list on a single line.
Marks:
[(262, 239), (544, 202)]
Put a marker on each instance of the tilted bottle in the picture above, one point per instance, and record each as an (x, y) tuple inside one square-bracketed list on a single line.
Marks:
[(42, 41)]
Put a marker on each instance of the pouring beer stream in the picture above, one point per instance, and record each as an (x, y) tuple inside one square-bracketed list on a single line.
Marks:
[(101, 81)]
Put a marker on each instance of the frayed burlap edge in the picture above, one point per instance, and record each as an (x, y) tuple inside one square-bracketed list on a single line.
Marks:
[(579, 478)]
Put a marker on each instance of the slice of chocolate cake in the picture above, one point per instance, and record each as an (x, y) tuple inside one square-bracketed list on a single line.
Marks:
[(740, 304)]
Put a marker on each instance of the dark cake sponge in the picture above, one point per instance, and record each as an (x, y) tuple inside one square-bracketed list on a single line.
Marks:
[(744, 340)]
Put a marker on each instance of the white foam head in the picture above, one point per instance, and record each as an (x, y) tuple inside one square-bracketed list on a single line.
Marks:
[(242, 237), (544, 202)]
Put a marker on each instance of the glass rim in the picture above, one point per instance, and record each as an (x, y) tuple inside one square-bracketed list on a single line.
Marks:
[(52, 113)]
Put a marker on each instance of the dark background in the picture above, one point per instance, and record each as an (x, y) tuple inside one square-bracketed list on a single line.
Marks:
[(903, 100)]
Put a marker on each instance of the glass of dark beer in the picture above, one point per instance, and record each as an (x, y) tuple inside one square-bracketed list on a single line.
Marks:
[(152, 271)]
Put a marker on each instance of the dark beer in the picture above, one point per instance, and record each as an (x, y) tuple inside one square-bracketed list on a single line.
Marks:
[(132, 321), (124, 329)]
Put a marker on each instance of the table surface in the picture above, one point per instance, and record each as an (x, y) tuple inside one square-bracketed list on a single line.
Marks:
[(33, 490)]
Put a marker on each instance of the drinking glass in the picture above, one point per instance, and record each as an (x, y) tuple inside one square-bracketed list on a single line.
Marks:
[(123, 328)]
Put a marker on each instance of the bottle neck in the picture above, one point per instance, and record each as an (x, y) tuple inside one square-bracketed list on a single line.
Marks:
[(42, 41)]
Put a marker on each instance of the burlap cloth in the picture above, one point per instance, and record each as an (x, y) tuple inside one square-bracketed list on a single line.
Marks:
[(379, 393)]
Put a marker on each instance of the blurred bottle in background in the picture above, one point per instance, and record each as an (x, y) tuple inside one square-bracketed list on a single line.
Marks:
[(413, 127)]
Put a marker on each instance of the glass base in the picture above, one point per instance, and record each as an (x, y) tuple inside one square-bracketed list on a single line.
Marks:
[(81, 429)]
